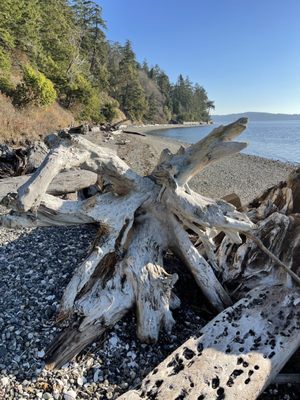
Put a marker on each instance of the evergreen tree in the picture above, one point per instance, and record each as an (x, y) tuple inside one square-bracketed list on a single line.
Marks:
[(128, 89), (65, 43)]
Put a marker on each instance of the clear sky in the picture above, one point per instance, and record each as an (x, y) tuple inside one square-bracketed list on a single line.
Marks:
[(246, 53)]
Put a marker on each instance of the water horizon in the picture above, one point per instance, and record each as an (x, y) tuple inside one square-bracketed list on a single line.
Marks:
[(276, 140)]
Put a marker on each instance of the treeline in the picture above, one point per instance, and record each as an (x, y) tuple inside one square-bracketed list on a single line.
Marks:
[(55, 50)]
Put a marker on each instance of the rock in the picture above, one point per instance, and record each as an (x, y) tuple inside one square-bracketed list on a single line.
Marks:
[(69, 395), (47, 396), (96, 375), (41, 354), (4, 381), (3, 351), (80, 381)]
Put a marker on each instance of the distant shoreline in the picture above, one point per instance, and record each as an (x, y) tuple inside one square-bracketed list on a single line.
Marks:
[(150, 128)]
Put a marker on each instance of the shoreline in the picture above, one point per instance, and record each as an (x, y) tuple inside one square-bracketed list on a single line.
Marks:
[(150, 128)]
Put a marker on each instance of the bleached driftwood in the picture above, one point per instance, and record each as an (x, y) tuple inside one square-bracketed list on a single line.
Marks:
[(243, 348), (276, 214), (237, 354), (65, 182), (140, 218)]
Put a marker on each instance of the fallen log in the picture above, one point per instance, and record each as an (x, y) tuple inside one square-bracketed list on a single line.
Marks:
[(131, 132), (64, 182), (238, 353)]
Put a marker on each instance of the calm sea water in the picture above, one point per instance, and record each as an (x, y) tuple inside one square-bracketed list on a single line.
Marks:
[(278, 140)]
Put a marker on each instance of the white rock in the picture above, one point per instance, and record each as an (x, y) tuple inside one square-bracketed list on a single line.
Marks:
[(47, 396), (96, 375), (41, 354), (113, 341), (69, 395), (80, 381), (89, 362), (5, 381)]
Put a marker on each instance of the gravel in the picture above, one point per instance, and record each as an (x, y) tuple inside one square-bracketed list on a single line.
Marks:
[(36, 265)]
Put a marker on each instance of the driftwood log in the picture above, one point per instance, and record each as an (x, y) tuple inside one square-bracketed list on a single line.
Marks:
[(237, 354), (65, 182), (140, 218)]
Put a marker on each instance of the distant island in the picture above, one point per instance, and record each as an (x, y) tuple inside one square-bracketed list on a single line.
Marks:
[(256, 116)]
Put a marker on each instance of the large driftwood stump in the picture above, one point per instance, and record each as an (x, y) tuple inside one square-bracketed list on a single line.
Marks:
[(139, 219)]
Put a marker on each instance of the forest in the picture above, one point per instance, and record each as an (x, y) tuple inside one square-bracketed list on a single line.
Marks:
[(57, 51)]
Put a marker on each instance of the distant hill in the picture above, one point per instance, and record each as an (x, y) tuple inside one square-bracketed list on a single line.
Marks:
[(256, 116)]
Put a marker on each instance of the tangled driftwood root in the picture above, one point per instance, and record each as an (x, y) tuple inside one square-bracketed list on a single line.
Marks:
[(140, 218)]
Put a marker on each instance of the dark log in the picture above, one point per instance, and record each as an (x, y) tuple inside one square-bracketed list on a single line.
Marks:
[(134, 132)]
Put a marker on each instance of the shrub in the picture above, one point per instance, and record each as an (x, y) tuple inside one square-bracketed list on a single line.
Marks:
[(109, 111), (6, 86), (35, 89), (5, 64), (79, 91)]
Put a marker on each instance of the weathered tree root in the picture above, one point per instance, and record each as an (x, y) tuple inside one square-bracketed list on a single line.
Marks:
[(141, 218)]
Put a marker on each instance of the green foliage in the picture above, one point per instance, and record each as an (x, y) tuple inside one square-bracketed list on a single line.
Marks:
[(128, 90), (6, 85), (109, 111), (35, 89), (79, 91), (94, 78), (5, 63)]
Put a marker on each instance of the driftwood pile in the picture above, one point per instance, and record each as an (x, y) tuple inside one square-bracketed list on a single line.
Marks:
[(234, 256)]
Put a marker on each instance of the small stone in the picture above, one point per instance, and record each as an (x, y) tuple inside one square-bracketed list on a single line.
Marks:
[(69, 395), (41, 354), (89, 362), (3, 351), (96, 375), (4, 381), (113, 341), (80, 381), (47, 396)]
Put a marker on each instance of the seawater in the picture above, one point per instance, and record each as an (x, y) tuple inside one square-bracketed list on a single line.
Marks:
[(277, 140)]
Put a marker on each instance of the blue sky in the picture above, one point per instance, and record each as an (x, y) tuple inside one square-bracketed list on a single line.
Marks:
[(246, 53)]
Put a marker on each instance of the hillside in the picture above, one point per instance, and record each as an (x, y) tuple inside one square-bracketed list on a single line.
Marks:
[(256, 116), (57, 52)]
